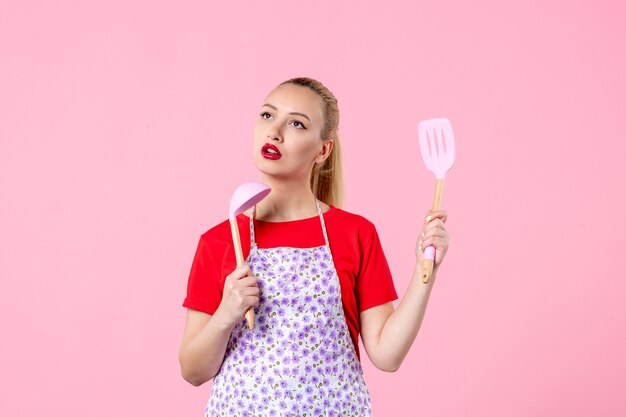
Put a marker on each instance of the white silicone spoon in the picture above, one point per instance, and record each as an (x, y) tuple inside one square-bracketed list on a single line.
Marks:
[(438, 151), (244, 197)]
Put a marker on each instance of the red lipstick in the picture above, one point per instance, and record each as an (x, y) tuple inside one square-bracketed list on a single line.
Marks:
[(270, 151)]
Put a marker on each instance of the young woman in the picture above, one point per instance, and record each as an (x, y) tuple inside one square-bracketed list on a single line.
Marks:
[(316, 276)]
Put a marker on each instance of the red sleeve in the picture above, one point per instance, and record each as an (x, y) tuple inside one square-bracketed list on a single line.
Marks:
[(204, 288), (374, 284)]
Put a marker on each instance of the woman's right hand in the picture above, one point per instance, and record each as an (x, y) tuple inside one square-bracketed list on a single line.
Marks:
[(241, 292)]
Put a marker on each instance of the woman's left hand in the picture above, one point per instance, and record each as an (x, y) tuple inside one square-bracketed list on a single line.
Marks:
[(433, 233)]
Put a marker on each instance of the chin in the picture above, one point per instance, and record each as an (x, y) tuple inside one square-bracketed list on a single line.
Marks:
[(266, 169)]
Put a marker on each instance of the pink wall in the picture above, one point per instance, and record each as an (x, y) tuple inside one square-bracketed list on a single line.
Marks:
[(125, 126)]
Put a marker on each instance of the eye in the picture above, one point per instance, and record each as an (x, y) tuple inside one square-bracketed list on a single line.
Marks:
[(265, 115), (298, 125)]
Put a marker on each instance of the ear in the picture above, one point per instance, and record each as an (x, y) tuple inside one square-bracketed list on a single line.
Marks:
[(327, 148)]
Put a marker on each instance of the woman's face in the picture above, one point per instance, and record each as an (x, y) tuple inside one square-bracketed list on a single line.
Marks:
[(287, 134)]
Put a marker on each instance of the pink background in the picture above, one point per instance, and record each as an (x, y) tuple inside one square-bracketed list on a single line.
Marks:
[(125, 126)]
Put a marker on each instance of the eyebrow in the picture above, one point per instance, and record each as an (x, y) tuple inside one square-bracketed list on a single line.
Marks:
[(293, 112)]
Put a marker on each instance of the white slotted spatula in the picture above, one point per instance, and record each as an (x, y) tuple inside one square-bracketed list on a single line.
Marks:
[(438, 151)]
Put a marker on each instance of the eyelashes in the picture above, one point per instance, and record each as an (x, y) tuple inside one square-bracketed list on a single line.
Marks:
[(295, 123)]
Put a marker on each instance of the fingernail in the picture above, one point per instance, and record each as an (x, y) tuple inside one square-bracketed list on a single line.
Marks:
[(428, 218)]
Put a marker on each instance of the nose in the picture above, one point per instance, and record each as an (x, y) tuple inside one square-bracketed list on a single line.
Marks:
[(274, 133)]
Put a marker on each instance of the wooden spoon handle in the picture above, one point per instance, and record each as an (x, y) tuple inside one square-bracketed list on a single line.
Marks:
[(234, 228), (427, 270)]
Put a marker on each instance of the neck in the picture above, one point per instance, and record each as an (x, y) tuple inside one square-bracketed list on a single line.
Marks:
[(290, 199)]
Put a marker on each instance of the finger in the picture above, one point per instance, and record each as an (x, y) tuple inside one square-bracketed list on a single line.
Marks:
[(435, 223), (432, 224), (435, 228), (426, 243), (437, 242), (250, 291), (252, 301), (249, 281), (440, 254), (435, 235), (436, 214), (240, 272), (432, 233), (429, 240)]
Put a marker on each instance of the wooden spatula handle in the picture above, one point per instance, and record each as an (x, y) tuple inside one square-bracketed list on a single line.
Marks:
[(240, 261), (427, 264)]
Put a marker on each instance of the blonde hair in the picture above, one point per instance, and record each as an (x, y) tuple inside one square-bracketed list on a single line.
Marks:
[(327, 177)]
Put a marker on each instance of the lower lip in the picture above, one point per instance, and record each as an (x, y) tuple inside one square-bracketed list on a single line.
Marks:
[(271, 156)]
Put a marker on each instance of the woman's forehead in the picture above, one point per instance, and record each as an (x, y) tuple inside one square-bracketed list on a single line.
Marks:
[(294, 98)]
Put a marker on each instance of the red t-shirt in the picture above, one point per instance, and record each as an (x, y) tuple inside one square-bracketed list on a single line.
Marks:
[(364, 274)]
